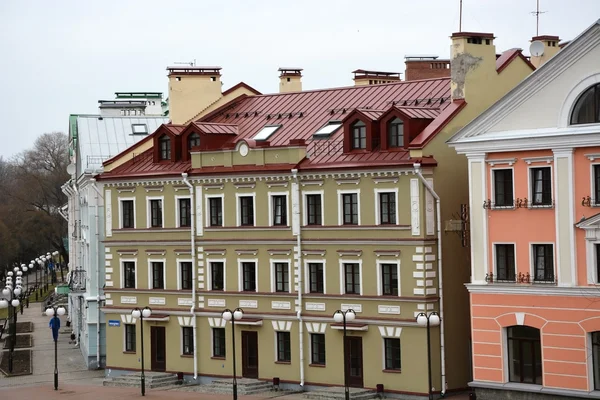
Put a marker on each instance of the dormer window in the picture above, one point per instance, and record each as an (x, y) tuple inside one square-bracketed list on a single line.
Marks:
[(359, 135), (193, 140), (164, 146), (587, 107), (395, 131)]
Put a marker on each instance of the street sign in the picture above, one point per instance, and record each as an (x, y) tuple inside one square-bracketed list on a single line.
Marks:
[(114, 322)]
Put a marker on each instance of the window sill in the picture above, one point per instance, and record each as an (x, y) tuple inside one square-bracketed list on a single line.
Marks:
[(541, 206), (218, 358), (283, 362), (130, 352), (502, 208), (318, 365), (187, 356), (392, 371)]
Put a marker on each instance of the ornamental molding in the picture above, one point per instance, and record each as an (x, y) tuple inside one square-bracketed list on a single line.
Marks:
[(277, 184), (181, 252), (387, 253), (320, 253), (244, 252), (154, 188), (156, 252), (592, 157), (126, 189), (128, 252), (501, 161), (179, 187), (531, 160), (245, 185), (215, 252), (349, 253), (279, 252)]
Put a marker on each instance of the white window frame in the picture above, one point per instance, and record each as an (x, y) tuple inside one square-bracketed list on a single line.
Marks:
[(592, 268), (120, 200), (238, 208), (596, 202), (178, 262), (531, 260), (149, 210), (494, 258), (241, 274), (343, 276), (307, 274), (380, 276), (340, 194), (177, 211), (207, 198), (287, 208), (124, 260), (181, 340), (305, 206), (287, 261), (164, 261), (377, 205), (209, 261), (493, 187), (530, 186)]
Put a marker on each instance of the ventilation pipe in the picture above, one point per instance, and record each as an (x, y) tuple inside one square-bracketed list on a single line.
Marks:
[(194, 267), (297, 213)]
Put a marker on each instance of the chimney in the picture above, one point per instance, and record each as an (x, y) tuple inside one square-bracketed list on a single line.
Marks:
[(290, 80), (473, 61), (363, 77), (425, 67), (543, 48), (192, 89)]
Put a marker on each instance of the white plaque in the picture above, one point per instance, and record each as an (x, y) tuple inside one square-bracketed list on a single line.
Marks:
[(280, 305), (356, 307), (216, 302), (184, 301), (128, 300), (157, 301), (248, 304), (315, 306), (388, 309)]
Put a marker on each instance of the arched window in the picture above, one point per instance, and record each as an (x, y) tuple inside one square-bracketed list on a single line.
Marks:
[(164, 146), (359, 135), (395, 131), (524, 355), (587, 107), (193, 140)]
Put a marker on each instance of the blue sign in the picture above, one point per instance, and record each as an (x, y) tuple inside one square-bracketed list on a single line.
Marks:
[(114, 322)]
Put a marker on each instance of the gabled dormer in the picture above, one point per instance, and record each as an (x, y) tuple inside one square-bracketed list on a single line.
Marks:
[(399, 125), (166, 146), (199, 136), (361, 131)]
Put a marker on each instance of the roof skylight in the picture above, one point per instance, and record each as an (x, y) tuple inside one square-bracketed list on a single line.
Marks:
[(139, 129), (266, 132), (328, 129)]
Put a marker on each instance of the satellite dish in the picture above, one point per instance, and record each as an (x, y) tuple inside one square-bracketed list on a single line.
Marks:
[(71, 169), (536, 48)]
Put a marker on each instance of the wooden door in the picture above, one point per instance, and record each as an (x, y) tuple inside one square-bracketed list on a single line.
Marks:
[(158, 349), (355, 361), (250, 354)]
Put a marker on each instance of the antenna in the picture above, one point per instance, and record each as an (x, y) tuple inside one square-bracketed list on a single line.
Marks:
[(190, 63), (460, 17), (537, 13)]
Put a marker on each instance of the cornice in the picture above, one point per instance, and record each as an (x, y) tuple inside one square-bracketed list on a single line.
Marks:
[(536, 290)]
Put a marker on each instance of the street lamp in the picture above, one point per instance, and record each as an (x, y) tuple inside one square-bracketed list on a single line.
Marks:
[(141, 314), (40, 286), (25, 269), (55, 325), (343, 317), (233, 316), (10, 298), (433, 319), (56, 256)]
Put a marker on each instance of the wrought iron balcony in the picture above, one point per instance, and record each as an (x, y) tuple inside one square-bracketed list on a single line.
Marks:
[(489, 205), (589, 201), (525, 278), (77, 280)]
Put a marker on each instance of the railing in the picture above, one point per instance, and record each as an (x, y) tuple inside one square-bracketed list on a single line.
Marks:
[(525, 278), (95, 160), (317, 147), (516, 203), (589, 201)]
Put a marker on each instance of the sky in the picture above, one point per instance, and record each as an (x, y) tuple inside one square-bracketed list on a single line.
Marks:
[(60, 57)]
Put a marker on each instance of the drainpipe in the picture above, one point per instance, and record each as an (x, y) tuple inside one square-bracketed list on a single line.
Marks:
[(417, 171), (77, 232), (300, 279), (193, 243), (98, 195)]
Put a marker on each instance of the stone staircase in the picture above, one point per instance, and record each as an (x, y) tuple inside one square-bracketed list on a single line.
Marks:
[(337, 393), (245, 386), (154, 380)]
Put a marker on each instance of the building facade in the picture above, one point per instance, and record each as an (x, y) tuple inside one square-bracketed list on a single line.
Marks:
[(534, 189)]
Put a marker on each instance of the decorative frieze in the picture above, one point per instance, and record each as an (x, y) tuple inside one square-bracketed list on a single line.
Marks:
[(128, 300), (185, 301), (356, 307), (314, 306), (157, 301), (217, 322), (248, 304), (244, 252), (282, 326), (215, 252), (185, 321), (390, 331), (281, 305), (216, 302), (315, 327), (415, 208), (385, 309)]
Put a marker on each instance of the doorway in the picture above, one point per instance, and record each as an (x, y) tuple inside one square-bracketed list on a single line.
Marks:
[(354, 361), (250, 354), (158, 348)]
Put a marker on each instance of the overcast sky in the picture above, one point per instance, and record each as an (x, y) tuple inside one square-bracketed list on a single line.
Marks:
[(59, 57)]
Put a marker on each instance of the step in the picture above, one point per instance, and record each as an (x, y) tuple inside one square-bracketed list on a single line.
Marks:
[(337, 393), (153, 380), (244, 386)]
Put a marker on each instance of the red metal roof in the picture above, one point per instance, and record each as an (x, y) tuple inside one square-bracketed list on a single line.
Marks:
[(218, 129), (506, 58)]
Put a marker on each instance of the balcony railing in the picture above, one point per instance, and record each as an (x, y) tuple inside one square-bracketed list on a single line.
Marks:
[(517, 203), (589, 201), (525, 278)]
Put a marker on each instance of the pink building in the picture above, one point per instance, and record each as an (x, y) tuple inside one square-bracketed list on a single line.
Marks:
[(534, 181)]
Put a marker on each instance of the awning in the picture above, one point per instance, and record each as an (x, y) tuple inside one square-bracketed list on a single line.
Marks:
[(250, 321), (350, 327), (158, 318)]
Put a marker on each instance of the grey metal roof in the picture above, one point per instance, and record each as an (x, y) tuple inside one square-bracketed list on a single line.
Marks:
[(102, 137)]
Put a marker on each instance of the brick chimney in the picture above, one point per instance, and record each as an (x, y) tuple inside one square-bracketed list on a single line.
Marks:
[(363, 77), (425, 67), (473, 61), (549, 45), (290, 80), (192, 89)]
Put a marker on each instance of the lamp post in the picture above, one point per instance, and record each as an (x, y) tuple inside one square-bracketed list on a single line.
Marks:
[(343, 317), (40, 286), (141, 314), (233, 316), (433, 319), (54, 312), (47, 257), (25, 270), (56, 256), (19, 282), (10, 299)]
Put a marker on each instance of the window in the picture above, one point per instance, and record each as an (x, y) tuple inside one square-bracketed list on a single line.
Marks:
[(266, 132), (217, 275), (218, 342), (130, 338), (156, 214), (392, 354), (279, 209), (543, 258), (503, 188), (246, 210), (164, 148), (505, 262), (359, 135), (352, 278), (597, 248), (187, 334), (328, 129), (587, 107), (315, 278), (596, 173), (387, 208), (596, 359), (193, 140), (389, 279), (185, 212), (282, 277), (249, 276), (350, 208), (317, 348), (396, 133), (541, 186), (127, 214), (313, 209), (158, 281), (524, 355), (186, 275), (284, 348), (215, 205), (129, 274), (139, 129)]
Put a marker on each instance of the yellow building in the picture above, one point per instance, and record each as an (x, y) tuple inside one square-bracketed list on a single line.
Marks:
[(292, 206)]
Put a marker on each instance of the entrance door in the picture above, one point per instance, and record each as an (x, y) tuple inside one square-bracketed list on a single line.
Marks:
[(355, 362), (250, 354), (158, 348)]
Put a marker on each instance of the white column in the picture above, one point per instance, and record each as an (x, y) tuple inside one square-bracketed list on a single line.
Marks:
[(478, 217), (565, 217)]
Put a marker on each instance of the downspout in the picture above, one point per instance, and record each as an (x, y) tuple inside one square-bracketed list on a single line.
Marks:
[(98, 194), (193, 244), (77, 232), (300, 280), (417, 171)]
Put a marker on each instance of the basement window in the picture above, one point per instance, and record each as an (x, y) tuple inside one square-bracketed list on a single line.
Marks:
[(139, 129), (328, 129), (266, 132)]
